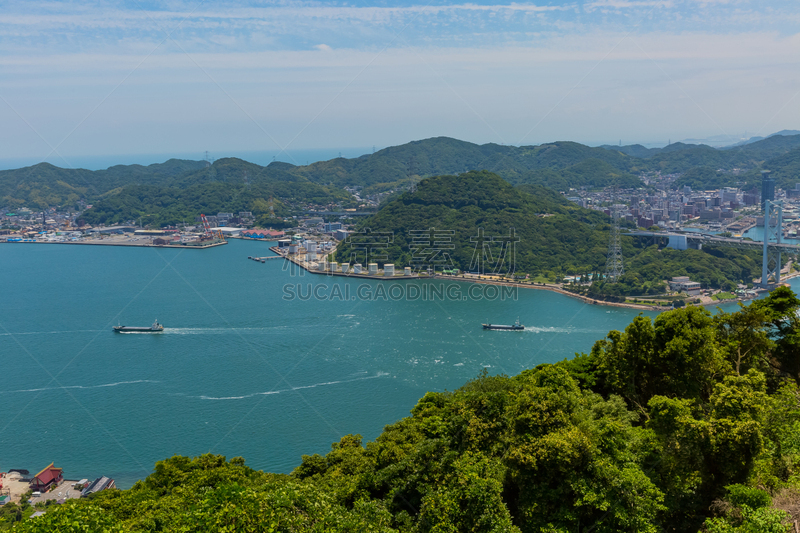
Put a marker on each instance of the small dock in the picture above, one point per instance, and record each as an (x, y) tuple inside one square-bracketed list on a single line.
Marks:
[(264, 259)]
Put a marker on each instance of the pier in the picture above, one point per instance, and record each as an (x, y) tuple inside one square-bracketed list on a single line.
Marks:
[(262, 259)]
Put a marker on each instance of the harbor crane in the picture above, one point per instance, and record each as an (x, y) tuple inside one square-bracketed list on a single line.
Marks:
[(209, 232)]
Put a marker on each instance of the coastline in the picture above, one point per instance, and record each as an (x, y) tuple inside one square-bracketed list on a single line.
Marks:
[(543, 286), (129, 244), (559, 290), (552, 288)]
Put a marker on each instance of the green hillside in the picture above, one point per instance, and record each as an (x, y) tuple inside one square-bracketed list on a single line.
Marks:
[(571, 239), (556, 237), (45, 185), (688, 422), (230, 185), (703, 167), (768, 148), (559, 165), (761, 150)]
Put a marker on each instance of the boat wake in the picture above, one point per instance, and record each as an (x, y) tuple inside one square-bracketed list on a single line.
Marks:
[(278, 391), (51, 332), (115, 384), (218, 331), (534, 329)]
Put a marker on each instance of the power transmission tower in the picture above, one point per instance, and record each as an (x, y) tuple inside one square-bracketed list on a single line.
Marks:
[(614, 265), (209, 171)]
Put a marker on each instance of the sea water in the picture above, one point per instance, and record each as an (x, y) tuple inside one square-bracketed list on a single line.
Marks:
[(248, 364)]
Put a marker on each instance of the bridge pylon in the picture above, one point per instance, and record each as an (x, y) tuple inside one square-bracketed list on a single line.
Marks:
[(771, 258)]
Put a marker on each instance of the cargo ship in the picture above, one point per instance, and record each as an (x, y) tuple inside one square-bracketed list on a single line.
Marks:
[(516, 326), (155, 328)]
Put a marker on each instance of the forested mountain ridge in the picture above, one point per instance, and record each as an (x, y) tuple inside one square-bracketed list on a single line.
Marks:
[(443, 155), (686, 422), (559, 165), (760, 150), (556, 237), (45, 185), (704, 167), (230, 185)]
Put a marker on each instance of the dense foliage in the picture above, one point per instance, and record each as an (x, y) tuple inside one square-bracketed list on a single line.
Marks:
[(556, 237), (557, 165), (702, 167), (229, 186), (713, 267), (689, 422), (45, 185)]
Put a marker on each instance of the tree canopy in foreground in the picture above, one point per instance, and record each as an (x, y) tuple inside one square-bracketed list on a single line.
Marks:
[(688, 422)]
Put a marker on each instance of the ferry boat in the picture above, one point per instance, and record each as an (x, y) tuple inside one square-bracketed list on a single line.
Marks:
[(155, 328), (516, 326)]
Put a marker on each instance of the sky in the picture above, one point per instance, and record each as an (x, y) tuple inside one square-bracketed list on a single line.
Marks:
[(98, 83)]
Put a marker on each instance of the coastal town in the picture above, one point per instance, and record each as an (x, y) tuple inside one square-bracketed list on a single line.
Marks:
[(24, 495), (660, 206)]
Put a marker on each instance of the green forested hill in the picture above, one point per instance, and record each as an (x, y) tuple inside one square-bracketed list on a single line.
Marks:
[(785, 168), (569, 239), (689, 422), (761, 150), (566, 240), (559, 165), (704, 167), (45, 185), (442, 155), (229, 185)]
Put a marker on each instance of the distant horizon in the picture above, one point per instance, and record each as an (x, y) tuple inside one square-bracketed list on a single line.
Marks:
[(297, 157)]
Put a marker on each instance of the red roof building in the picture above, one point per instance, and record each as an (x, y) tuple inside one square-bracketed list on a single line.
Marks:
[(47, 478)]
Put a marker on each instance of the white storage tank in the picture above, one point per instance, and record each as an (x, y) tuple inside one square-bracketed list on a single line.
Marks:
[(333, 266), (311, 256), (388, 270), (357, 268), (311, 246), (407, 271), (345, 268), (321, 266), (293, 248), (373, 269)]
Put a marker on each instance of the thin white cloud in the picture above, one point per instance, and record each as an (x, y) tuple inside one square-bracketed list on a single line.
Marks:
[(121, 18), (627, 4), (742, 48)]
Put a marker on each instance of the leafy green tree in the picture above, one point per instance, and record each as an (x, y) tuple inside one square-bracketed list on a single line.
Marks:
[(674, 356)]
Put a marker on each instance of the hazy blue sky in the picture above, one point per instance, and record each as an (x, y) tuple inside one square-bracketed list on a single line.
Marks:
[(180, 77)]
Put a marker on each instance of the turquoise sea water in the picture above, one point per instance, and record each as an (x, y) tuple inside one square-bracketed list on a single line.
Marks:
[(239, 370)]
